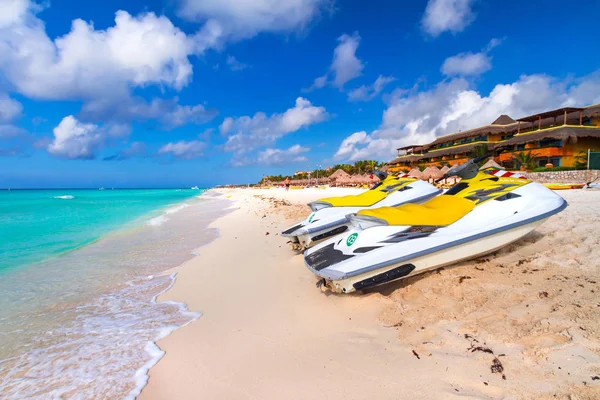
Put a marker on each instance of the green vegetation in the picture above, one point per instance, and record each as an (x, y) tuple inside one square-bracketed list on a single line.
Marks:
[(526, 159), (581, 160), (479, 151), (359, 167)]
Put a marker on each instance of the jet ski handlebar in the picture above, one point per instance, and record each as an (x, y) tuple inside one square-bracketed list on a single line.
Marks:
[(467, 170)]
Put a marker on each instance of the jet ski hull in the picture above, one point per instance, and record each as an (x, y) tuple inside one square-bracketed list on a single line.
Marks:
[(375, 254), (428, 262), (331, 221)]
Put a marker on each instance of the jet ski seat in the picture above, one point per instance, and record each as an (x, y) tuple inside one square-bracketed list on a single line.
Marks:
[(439, 211), (365, 199)]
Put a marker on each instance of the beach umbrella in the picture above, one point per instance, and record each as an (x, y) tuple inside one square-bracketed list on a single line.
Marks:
[(444, 169), (415, 173), (432, 173)]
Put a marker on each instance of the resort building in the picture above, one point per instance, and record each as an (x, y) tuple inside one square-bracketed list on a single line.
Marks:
[(557, 137)]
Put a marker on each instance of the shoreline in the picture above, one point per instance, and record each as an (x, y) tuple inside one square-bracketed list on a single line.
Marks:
[(115, 309), (267, 332)]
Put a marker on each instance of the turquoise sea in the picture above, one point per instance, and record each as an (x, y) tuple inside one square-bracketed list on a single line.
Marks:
[(80, 271), (37, 224)]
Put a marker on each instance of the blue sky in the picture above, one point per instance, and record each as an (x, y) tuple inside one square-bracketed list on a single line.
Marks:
[(200, 92)]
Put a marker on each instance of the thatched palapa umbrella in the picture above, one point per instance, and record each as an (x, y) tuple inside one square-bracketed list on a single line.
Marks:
[(415, 173), (432, 173), (339, 177)]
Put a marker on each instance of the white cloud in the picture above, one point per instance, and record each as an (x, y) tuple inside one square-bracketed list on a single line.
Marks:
[(447, 15), (414, 117), (247, 133), (235, 65), (465, 64), (87, 63), (369, 92), (9, 108), (345, 65), (239, 19), (184, 150), (74, 139), (283, 156)]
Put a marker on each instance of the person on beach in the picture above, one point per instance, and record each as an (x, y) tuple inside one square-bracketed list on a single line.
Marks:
[(287, 184)]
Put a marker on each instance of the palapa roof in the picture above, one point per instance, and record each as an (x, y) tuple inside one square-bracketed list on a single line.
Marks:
[(445, 169), (406, 159), (459, 149), (559, 133), (339, 175), (549, 114), (432, 172), (415, 173), (503, 120)]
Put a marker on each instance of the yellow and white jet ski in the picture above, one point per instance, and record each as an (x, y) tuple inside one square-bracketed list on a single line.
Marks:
[(329, 215), (485, 211)]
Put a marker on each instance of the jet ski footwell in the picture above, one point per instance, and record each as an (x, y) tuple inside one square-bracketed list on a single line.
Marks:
[(416, 263)]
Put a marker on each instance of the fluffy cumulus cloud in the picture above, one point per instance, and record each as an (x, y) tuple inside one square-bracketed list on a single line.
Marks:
[(447, 15), (345, 65), (369, 92), (470, 64), (467, 64), (283, 156), (88, 63), (247, 133), (74, 139), (415, 117), (240, 19), (183, 150)]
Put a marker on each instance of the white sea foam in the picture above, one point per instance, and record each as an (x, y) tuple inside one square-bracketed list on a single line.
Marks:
[(157, 221), (179, 207), (161, 219), (65, 197)]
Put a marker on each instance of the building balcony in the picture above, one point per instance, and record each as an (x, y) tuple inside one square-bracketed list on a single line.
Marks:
[(508, 155)]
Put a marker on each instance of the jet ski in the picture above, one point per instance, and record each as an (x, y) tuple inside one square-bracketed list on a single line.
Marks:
[(329, 215), (485, 211)]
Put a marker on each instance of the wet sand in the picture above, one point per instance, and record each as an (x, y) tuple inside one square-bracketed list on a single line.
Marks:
[(523, 322)]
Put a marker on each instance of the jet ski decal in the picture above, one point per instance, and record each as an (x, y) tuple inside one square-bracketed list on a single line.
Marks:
[(481, 195), (326, 257), (391, 188), (414, 232)]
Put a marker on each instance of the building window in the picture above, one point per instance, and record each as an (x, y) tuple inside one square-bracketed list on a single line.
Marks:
[(520, 146), (550, 143)]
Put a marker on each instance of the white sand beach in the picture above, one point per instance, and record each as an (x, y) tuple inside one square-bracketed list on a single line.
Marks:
[(523, 322)]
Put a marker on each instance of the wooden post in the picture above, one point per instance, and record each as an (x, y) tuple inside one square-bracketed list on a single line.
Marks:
[(580, 117), (565, 121), (539, 122), (518, 127)]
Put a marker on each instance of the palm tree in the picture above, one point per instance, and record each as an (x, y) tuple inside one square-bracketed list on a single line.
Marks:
[(371, 165), (359, 166), (525, 159), (479, 151)]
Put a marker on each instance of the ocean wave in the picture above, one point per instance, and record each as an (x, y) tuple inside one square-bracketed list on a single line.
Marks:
[(157, 221), (161, 219), (177, 208), (65, 197)]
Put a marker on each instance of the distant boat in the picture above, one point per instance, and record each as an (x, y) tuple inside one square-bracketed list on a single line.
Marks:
[(101, 189), (194, 188)]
